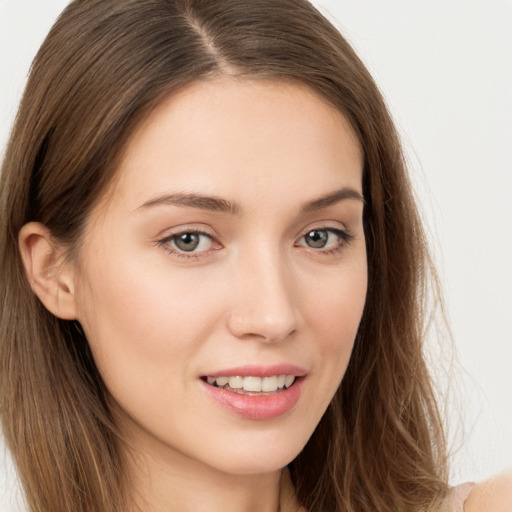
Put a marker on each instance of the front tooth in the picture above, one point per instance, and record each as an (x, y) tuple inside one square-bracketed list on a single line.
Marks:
[(269, 384), (222, 381), (235, 382), (280, 381), (252, 384), (289, 380)]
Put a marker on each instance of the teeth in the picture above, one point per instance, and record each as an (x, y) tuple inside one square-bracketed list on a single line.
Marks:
[(288, 381), (269, 384), (236, 382), (254, 384), (221, 381)]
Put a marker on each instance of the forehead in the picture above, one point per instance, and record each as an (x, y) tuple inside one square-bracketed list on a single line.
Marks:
[(246, 138)]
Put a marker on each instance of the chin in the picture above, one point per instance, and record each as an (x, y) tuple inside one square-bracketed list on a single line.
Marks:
[(256, 466), (262, 456)]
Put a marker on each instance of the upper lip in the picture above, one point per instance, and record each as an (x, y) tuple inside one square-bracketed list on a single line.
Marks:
[(259, 371)]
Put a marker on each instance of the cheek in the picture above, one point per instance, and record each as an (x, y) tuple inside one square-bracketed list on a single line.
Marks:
[(136, 315), (336, 312), (336, 308), (145, 328), (333, 311)]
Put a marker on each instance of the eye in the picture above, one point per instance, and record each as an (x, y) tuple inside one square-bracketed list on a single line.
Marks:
[(317, 239), (328, 239), (188, 242)]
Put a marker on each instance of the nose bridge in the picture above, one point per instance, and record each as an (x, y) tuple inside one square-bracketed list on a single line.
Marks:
[(264, 305)]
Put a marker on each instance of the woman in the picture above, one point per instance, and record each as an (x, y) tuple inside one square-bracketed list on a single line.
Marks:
[(207, 227)]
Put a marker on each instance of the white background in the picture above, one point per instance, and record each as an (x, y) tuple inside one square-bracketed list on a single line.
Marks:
[(445, 68)]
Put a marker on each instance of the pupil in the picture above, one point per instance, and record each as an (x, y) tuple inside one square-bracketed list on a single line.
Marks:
[(317, 239), (187, 241)]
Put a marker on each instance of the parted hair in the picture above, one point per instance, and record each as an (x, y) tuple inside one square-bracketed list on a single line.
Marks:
[(103, 68)]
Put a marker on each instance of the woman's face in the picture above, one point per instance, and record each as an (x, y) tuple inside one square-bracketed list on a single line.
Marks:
[(226, 263)]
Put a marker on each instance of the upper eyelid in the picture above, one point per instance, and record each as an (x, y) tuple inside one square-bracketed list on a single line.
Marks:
[(169, 233), (171, 236), (325, 227), (337, 231), (170, 248), (208, 231), (193, 255)]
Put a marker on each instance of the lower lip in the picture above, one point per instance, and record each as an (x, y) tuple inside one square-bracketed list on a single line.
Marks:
[(265, 407)]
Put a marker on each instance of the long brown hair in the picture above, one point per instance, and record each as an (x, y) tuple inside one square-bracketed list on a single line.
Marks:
[(105, 65)]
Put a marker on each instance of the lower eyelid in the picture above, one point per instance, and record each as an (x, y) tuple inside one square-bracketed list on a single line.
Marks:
[(343, 235), (168, 243)]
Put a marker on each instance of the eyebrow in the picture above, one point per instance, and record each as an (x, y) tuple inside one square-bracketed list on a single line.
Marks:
[(331, 199), (210, 203), (217, 204)]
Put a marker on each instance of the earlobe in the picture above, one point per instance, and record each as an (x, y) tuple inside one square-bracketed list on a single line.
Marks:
[(50, 276)]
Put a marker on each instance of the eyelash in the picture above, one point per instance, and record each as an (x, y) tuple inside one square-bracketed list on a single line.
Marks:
[(165, 243), (344, 238)]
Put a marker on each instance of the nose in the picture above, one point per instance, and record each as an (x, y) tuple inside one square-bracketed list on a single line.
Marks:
[(264, 305)]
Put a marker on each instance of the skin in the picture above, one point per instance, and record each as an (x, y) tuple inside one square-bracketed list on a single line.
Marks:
[(253, 292), (493, 495)]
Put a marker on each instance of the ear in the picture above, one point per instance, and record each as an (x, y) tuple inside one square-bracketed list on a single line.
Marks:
[(49, 274)]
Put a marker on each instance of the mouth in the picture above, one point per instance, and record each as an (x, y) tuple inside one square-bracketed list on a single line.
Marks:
[(256, 392), (252, 385)]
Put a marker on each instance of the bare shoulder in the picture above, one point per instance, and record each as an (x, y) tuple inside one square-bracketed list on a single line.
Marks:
[(493, 495)]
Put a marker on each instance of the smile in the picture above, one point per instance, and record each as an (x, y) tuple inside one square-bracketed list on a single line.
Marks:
[(256, 392), (252, 385)]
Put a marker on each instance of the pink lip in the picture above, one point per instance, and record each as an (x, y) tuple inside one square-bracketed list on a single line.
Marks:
[(265, 407), (260, 371)]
